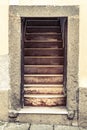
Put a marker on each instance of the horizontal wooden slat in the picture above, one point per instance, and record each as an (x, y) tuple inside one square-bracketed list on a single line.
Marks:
[(44, 100), (44, 60), (43, 70), (41, 90), (43, 52), (43, 79)]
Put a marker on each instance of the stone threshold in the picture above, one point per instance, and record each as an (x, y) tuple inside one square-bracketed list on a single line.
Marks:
[(44, 110)]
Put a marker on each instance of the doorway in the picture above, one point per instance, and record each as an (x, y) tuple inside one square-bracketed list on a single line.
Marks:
[(43, 62)]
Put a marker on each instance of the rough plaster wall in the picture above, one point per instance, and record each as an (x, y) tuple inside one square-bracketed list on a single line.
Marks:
[(83, 46), (4, 60), (49, 2), (3, 27)]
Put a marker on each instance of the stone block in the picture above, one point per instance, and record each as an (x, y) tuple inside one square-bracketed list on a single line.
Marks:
[(41, 127), (83, 107), (57, 127), (72, 55), (44, 119), (1, 125), (81, 128), (45, 11), (16, 126)]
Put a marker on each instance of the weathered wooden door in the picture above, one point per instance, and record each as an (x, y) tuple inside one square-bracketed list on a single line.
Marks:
[(43, 63)]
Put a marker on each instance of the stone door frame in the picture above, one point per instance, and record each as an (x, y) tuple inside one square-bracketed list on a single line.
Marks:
[(15, 15)]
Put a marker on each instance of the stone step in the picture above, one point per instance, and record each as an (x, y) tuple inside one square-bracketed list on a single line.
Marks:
[(43, 33), (44, 60), (38, 90), (43, 69), (31, 29), (46, 44), (44, 100), (43, 85), (43, 79), (43, 40), (38, 36), (43, 22), (43, 52)]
